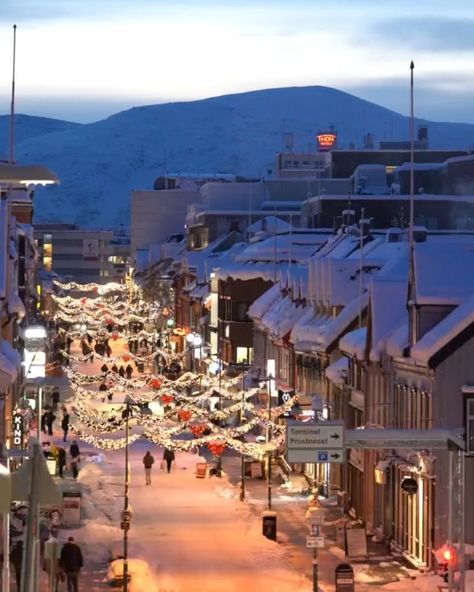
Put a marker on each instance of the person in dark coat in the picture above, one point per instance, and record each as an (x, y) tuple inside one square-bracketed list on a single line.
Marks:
[(114, 368), (75, 458), (44, 416), (71, 562), (108, 350), (148, 461), (129, 371), (104, 368), (168, 456), (65, 425), (50, 417), (121, 371), (16, 558), (61, 461)]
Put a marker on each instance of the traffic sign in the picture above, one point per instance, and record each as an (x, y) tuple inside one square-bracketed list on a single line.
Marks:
[(335, 455), (314, 442), (315, 542), (316, 516)]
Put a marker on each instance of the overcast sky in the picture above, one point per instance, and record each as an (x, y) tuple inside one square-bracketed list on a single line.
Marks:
[(83, 60)]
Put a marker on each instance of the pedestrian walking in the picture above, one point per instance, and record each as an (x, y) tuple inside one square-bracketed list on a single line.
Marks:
[(148, 461), (168, 456), (75, 458), (108, 350), (43, 420), (104, 368), (71, 562), (65, 425), (61, 461), (50, 417), (129, 371), (16, 558), (114, 368), (121, 371)]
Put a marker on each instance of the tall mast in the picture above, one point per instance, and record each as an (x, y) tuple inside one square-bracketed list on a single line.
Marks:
[(12, 104)]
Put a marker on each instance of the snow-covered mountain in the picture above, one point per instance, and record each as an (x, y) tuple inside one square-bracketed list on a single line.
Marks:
[(100, 163), (27, 127)]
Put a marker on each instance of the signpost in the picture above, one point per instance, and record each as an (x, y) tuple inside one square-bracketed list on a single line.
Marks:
[(315, 442)]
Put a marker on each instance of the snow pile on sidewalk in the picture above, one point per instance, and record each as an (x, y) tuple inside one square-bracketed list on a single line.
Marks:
[(99, 501)]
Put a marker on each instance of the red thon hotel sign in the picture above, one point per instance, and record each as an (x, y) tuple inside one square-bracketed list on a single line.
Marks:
[(326, 141)]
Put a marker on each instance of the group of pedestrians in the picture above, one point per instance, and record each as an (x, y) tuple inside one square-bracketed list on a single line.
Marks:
[(149, 461), (60, 564), (48, 418)]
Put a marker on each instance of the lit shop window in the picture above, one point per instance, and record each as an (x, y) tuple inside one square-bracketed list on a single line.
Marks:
[(244, 355)]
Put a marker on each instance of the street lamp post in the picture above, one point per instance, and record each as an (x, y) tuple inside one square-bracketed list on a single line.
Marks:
[(194, 340), (243, 367), (126, 512)]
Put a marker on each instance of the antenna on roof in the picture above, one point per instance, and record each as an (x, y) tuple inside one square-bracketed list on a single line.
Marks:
[(12, 104)]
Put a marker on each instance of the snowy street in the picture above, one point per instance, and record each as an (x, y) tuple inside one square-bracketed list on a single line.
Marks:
[(194, 534)]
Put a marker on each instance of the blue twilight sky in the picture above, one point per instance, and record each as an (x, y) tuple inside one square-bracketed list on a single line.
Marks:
[(86, 59)]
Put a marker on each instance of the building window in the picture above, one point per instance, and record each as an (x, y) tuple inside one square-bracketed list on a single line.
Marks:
[(47, 252), (244, 355)]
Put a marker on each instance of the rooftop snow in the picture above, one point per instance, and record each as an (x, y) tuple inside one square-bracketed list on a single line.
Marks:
[(443, 272), (354, 343), (433, 341), (337, 371), (264, 302)]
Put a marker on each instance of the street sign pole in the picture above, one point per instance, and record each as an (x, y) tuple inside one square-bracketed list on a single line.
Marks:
[(315, 570)]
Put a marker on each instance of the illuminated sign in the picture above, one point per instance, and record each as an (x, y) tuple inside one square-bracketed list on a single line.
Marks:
[(17, 430), (326, 141)]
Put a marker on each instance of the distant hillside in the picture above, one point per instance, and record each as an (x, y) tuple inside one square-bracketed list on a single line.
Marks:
[(100, 163), (27, 127)]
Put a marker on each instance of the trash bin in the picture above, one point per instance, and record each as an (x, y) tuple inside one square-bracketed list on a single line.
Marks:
[(269, 525), (344, 578), (72, 501), (201, 470)]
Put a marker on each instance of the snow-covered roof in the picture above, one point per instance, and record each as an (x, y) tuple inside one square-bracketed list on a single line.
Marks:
[(444, 332), (264, 302), (281, 317), (337, 371), (398, 341), (354, 342), (443, 272), (270, 225), (300, 325), (200, 292), (225, 247), (420, 166), (249, 270), (388, 310), (328, 332), (303, 336), (283, 247)]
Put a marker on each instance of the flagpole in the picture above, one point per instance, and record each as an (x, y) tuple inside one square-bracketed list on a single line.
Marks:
[(412, 158), (12, 104)]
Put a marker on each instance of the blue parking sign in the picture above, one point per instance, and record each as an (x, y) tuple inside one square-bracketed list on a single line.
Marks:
[(322, 456)]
